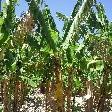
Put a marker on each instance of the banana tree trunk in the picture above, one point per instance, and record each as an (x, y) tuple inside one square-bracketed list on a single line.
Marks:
[(89, 102), (5, 95), (103, 90), (69, 89), (58, 94), (47, 92), (16, 89)]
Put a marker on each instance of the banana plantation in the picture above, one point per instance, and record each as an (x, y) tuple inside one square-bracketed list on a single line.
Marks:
[(45, 70)]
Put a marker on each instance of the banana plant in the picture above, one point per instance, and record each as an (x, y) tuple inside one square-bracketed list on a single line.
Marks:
[(33, 53)]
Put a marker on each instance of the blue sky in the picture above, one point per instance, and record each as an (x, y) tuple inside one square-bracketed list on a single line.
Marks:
[(64, 6)]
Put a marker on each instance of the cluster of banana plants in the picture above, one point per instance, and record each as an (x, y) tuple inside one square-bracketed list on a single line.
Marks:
[(77, 64)]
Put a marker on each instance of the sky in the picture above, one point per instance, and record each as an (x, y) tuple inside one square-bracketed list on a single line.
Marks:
[(65, 7)]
